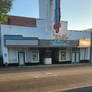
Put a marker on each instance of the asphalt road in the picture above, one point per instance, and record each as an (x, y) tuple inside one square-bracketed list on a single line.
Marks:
[(83, 89), (51, 78)]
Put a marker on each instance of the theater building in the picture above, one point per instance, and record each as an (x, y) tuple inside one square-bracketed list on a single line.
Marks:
[(28, 41), (24, 41)]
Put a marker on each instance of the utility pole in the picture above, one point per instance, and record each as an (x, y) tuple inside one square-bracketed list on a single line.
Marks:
[(91, 47)]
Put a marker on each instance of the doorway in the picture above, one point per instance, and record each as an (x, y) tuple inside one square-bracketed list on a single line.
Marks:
[(75, 55), (21, 58)]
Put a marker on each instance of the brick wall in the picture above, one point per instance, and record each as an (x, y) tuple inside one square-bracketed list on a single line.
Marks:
[(21, 21)]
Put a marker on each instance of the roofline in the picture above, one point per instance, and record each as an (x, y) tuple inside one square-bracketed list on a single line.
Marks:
[(22, 16), (79, 30)]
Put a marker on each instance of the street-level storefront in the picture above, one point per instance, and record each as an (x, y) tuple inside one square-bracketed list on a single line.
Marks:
[(20, 50), (23, 56), (30, 56), (30, 51), (75, 55), (84, 45), (56, 55)]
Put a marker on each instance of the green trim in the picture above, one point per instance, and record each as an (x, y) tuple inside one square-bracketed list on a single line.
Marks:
[(21, 64), (6, 64)]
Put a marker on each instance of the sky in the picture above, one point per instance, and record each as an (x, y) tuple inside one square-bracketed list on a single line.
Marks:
[(78, 13)]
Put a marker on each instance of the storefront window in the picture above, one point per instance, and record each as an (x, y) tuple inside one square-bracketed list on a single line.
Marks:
[(35, 57), (62, 55), (75, 50)]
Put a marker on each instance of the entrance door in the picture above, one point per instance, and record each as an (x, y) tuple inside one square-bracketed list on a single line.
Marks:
[(21, 58), (75, 57)]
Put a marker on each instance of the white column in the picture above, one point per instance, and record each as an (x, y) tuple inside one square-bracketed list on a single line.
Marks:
[(47, 12), (4, 49), (43, 9)]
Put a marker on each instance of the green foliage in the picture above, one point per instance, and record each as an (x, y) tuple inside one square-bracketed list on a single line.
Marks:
[(3, 18), (5, 7)]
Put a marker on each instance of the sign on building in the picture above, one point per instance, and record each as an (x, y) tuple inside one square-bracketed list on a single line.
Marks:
[(84, 42)]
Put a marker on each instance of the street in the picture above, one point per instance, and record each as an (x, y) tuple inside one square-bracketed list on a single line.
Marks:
[(84, 89), (50, 78)]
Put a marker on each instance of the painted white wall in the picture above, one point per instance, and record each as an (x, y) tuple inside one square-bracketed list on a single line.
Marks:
[(68, 54), (64, 28), (47, 12), (4, 49), (12, 55), (47, 9), (28, 55), (40, 31), (88, 54), (44, 9), (84, 53), (76, 35), (73, 34)]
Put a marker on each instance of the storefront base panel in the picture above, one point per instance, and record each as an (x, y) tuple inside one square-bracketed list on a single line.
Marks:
[(84, 61), (33, 64), (1, 61), (29, 64), (65, 62)]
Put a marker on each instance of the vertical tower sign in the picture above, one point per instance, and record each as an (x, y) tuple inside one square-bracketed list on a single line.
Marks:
[(57, 24)]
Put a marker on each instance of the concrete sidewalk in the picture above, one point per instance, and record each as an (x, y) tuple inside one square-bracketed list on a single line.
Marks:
[(46, 66), (38, 68)]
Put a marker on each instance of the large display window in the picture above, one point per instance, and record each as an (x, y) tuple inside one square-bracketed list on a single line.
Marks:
[(62, 55), (35, 56)]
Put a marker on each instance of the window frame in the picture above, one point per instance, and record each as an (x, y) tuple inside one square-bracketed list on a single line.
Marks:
[(37, 56), (60, 59)]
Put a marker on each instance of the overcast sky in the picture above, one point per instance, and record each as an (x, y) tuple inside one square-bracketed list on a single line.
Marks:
[(77, 12)]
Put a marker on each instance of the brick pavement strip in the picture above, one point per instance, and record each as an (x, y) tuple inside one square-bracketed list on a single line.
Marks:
[(47, 80)]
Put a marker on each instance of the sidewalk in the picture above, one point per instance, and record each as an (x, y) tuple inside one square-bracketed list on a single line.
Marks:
[(43, 67)]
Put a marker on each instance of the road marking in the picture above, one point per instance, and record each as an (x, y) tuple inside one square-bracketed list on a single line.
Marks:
[(66, 89)]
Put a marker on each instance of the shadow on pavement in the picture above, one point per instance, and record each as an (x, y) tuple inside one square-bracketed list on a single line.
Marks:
[(84, 89)]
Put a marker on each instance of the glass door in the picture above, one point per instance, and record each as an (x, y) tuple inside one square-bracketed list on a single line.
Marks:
[(77, 57), (21, 58), (73, 57)]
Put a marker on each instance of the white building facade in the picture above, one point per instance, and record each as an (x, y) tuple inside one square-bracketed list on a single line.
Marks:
[(26, 45), (26, 41)]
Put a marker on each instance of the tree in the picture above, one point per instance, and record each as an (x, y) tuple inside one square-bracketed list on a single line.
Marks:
[(5, 7), (61, 37)]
